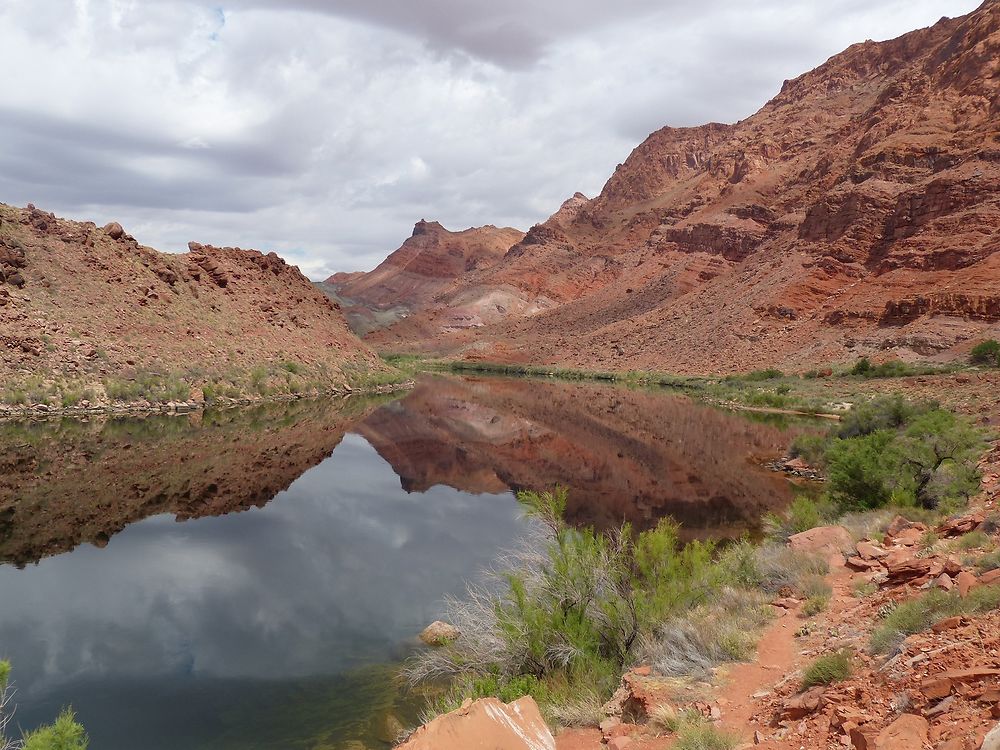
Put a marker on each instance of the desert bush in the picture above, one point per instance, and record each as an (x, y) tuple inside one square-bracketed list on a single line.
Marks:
[(811, 448), (890, 451), (860, 470), (861, 588), (827, 669), (862, 367), (815, 604), (769, 399), (927, 540), (882, 413), (986, 353), (917, 615), (761, 375), (893, 368), (64, 734)]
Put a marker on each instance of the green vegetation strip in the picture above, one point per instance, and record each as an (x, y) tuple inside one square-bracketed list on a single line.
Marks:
[(570, 611)]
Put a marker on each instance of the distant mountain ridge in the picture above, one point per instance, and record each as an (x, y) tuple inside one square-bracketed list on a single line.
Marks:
[(857, 213), (417, 274)]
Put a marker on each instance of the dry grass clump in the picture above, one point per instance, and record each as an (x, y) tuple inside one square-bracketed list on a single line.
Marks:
[(778, 566), (827, 669), (917, 615), (973, 540), (582, 709), (699, 734), (722, 631)]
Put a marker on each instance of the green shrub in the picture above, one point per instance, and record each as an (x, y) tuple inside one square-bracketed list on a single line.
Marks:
[(815, 604), (860, 470), (828, 669), (767, 399), (986, 353), (894, 368), (882, 413), (760, 375), (862, 588), (576, 607), (891, 451), (802, 514), (772, 567), (862, 367), (64, 734)]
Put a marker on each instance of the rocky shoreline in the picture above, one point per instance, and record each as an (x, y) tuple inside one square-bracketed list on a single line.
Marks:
[(84, 410)]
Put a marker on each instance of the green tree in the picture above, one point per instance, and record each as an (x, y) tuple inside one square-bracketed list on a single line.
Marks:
[(860, 470), (940, 451)]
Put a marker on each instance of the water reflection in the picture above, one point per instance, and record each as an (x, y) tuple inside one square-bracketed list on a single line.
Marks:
[(332, 574), (624, 454), (259, 628)]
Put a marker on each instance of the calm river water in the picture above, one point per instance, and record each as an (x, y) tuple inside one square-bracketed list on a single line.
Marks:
[(247, 578)]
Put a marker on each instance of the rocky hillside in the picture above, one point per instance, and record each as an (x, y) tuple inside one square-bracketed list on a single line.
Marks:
[(419, 273), (88, 311), (855, 213)]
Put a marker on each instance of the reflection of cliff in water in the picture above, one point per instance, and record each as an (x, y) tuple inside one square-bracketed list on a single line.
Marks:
[(66, 482), (624, 454)]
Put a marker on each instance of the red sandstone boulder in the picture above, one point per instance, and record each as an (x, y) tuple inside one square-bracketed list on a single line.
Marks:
[(822, 540), (966, 581), (908, 732), (869, 551), (487, 724)]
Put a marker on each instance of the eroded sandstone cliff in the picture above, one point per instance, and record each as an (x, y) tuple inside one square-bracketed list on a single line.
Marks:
[(855, 214)]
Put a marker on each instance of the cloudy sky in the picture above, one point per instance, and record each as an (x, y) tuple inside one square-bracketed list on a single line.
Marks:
[(324, 129)]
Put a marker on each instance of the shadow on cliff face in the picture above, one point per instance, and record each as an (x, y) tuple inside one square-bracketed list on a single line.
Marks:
[(624, 454), (66, 482)]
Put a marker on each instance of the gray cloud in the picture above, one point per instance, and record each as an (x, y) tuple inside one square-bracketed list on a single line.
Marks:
[(323, 130)]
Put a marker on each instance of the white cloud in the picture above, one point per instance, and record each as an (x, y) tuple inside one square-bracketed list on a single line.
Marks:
[(324, 130)]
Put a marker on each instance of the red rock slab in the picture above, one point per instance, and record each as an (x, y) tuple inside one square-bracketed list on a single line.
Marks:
[(486, 724), (990, 577), (869, 551), (822, 540), (908, 732)]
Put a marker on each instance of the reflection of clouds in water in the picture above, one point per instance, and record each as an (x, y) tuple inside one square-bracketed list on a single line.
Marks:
[(336, 570)]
